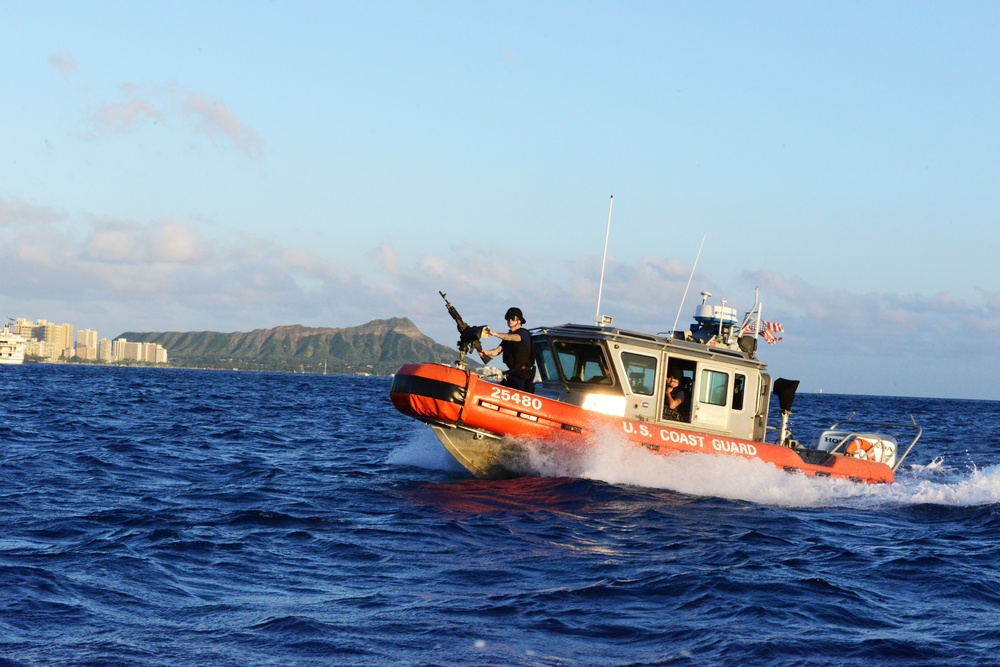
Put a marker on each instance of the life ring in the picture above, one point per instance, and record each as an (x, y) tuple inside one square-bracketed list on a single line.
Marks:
[(866, 450)]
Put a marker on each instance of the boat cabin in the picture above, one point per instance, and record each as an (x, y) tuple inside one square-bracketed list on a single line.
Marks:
[(624, 373)]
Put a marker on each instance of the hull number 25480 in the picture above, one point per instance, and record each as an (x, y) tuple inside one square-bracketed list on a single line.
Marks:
[(524, 400)]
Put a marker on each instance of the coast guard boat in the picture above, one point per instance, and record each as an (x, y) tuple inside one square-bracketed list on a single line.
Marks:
[(598, 379), (12, 346)]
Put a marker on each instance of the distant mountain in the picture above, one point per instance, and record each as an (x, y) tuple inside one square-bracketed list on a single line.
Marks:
[(379, 348)]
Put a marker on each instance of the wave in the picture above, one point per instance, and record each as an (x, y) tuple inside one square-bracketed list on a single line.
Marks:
[(612, 460), (423, 450)]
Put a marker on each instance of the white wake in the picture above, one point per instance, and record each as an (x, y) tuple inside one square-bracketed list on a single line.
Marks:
[(613, 460)]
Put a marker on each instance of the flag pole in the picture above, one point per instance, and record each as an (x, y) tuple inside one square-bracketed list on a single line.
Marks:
[(760, 307)]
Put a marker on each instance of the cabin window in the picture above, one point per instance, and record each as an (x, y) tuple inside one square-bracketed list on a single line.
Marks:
[(739, 387), (546, 362), (582, 362), (641, 372), (714, 387)]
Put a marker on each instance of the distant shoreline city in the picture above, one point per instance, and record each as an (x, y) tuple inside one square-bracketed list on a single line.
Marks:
[(55, 342), (379, 347)]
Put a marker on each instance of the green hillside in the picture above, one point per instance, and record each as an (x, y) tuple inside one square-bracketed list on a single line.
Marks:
[(379, 348)]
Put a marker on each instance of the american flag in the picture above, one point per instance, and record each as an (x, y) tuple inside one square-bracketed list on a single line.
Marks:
[(766, 331)]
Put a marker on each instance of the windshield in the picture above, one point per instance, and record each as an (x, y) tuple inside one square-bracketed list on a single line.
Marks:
[(581, 362)]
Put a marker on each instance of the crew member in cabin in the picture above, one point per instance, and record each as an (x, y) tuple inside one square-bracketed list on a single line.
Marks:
[(675, 397), (518, 353)]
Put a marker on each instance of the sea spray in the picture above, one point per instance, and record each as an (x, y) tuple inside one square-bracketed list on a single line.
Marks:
[(422, 449)]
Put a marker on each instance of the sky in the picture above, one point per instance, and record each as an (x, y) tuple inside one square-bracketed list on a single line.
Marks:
[(230, 166)]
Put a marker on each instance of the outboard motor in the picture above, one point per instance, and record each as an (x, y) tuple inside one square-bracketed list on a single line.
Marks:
[(868, 446)]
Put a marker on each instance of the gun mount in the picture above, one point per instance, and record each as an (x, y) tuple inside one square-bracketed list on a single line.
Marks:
[(469, 336)]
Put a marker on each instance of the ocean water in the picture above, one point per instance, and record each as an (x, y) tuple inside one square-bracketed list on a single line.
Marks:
[(182, 517)]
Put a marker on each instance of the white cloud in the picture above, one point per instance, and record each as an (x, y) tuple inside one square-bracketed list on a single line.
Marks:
[(64, 62), (125, 117), (19, 213), (934, 323), (127, 242), (433, 265), (175, 241), (125, 275), (175, 107), (387, 259), (214, 119), (167, 275)]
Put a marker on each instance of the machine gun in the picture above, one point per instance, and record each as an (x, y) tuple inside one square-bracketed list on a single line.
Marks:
[(468, 336)]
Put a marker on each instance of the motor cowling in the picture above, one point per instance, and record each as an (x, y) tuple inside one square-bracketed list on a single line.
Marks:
[(876, 447)]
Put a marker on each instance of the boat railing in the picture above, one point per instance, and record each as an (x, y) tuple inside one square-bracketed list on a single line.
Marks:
[(888, 426)]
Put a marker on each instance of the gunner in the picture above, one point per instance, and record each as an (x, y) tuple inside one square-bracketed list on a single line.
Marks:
[(518, 353)]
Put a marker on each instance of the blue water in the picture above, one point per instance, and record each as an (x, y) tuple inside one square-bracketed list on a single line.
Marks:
[(180, 517)]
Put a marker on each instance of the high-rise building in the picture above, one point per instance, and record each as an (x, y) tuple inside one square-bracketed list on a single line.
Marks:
[(86, 344), (37, 348), (86, 338), (52, 341), (122, 350), (58, 336), (24, 327)]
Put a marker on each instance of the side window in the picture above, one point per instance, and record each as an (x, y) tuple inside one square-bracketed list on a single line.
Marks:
[(546, 362), (582, 362), (739, 388), (641, 372), (714, 387)]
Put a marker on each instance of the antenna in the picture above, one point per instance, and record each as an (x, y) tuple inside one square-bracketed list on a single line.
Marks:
[(681, 307), (600, 288)]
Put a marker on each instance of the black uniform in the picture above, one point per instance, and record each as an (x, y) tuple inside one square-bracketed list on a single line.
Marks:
[(519, 357)]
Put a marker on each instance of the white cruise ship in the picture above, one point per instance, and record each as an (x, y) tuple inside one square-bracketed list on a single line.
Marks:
[(11, 346)]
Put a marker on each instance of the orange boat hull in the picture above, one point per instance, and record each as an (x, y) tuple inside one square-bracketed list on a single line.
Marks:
[(483, 425)]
